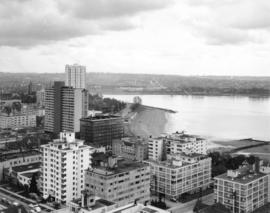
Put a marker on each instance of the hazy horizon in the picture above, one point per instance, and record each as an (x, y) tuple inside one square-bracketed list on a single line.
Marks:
[(116, 73), (186, 38)]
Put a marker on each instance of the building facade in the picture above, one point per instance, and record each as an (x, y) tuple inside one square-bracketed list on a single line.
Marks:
[(156, 149), (63, 164), (175, 143), (243, 190), (180, 174), (18, 159), (22, 175), (75, 76), (131, 148), (17, 120), (180, 142), (64, 107), (119, 180), (101, 129), (41, 97)]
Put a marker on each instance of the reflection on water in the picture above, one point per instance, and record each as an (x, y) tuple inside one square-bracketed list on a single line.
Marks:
[(218, 117)]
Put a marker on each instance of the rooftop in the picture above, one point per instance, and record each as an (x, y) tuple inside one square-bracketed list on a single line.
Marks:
[(100, 117), (169, 163), (122, 165), (129, 141), (245, 178), (6, 157), (138, 208), (28, 174), (27, 167), (99, 203)]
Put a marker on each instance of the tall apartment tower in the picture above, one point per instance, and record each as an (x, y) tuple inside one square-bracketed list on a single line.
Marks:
[(64, 162), (64, 107), (75, 76)]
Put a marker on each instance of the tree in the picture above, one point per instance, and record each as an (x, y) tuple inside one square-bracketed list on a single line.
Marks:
[(33, 184)]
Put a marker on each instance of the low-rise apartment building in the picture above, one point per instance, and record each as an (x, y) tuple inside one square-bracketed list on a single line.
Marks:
[(180, 174), (131, 148), (243, 190), (18, 159), (175, 143), (181, 142), (21, 175), (17, 120), (119, 180)]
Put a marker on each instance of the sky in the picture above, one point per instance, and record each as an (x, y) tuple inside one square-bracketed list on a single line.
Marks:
[(183, 37)]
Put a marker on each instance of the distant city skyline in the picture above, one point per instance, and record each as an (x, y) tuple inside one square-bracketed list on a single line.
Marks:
[(189, 37)]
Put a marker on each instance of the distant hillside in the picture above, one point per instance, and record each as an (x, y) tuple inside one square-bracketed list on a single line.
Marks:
[(150, 84)]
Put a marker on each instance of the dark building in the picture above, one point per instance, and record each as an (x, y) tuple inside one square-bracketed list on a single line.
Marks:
[(101, 129), (64, 107), (30, 88)]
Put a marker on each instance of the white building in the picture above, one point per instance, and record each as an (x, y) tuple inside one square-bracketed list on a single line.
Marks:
[(175, 143), (75, 76), (243, 190), (64, 163), (156, 148), (17, 120), (180, 142), (180, 174)]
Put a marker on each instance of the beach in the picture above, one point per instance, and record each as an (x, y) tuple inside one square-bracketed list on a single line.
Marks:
[(145, 121)]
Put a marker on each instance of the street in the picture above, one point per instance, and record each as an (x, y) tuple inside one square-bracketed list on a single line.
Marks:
[(188, 207)]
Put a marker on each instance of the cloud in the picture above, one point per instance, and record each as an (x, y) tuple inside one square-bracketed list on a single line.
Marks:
[(110, 8), (26, 23), (230, 21)]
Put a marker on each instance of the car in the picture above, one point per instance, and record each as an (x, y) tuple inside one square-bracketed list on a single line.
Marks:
[(15, 203), (173, 199)]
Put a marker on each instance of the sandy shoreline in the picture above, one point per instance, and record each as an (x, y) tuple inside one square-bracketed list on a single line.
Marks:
[(146, 121)]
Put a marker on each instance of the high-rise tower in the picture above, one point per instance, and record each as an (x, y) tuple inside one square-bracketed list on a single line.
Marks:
[(75, 76), (64, 107)]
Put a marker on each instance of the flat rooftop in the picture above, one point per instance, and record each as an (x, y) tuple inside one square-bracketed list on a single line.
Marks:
[(242, 178), (169, 164), (10, 156), (100, 117), (123, 165), (99, 203), (26, 167)]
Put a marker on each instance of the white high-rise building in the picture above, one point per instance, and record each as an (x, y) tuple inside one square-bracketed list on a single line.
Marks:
[(75, 76), (64, 162)]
